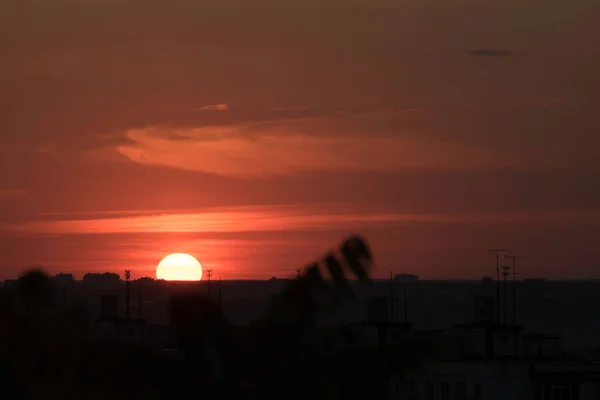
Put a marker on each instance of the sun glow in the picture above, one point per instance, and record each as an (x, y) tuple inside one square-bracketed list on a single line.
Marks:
[(179, 267)]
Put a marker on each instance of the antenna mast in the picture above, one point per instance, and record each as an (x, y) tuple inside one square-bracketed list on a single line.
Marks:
[(127, 292), (209, 274), (514, 288), (505, 273), (497, 252)]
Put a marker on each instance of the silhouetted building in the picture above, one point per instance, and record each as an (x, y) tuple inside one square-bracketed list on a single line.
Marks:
[(484, 309), (378, 310), (109, 307), (406, 278), (63, 279), (488, 280), (107, 280)]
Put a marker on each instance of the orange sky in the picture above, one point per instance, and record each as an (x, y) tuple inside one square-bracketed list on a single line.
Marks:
[(263, 132)]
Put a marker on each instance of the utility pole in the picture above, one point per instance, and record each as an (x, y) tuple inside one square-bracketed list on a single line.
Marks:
[(127, 292), (497, 252), (505, 273), (209, 274), (514, 289)]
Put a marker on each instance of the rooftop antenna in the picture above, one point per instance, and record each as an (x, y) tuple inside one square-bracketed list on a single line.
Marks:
[(209, 274), (127, 292), (505, 273), (514, 288), (497, 252)]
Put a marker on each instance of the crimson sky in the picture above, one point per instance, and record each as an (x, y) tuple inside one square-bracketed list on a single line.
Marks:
[(256, 134)]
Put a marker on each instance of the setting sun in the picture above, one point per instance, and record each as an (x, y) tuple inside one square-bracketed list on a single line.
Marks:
[(179, 267)]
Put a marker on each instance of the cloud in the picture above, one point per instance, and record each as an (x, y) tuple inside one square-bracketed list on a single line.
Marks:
[(213, 107), (269, 219), (370, 140), (490, 53)]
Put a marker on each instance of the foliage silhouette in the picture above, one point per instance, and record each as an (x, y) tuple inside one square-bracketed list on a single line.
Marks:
[(46, 349)]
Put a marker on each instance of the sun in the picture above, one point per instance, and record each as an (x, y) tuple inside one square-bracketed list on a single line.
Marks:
[(179, 267)]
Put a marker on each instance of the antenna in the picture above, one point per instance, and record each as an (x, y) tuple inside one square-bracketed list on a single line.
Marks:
[(505, 273), (127, 292), (209, 274), (298, 272), (514, 289), (497, 252)]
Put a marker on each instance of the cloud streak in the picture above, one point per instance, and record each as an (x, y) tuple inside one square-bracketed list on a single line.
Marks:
[(269, 219), (213, 107), (309, 145)]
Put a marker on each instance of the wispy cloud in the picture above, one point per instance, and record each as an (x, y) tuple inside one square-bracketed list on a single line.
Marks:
[(213, 107), (297, 108), (309, 145), (46, 150), (268, 219)]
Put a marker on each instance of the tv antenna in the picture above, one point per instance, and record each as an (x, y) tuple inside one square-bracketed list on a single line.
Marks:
[(514, 289), (209, 274), (497, 252), (505, 274)]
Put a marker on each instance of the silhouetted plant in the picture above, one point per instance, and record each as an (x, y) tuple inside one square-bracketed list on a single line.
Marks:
[(274, 353), (48, 350)]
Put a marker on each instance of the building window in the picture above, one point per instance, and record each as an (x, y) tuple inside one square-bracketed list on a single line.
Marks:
[(445, 389), (477, 392), (461, 390), (561, 393), (429, 391)]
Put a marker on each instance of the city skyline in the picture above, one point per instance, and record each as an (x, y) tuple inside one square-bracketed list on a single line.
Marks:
[(254, 135)]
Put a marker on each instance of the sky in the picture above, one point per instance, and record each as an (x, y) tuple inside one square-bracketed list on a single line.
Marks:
[(257, 135)]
